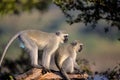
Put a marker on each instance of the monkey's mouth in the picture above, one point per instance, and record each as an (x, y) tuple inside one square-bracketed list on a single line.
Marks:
[(81, 47), (66, 39)]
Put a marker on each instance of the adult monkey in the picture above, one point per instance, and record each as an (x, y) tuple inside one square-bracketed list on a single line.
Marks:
[(67, 53), (33, 40)]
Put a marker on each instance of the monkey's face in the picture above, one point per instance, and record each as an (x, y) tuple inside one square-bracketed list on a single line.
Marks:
[(63, 37), (77, 46), (81, 47)]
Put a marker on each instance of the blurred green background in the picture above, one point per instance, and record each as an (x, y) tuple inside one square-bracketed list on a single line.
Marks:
[(102, 50)]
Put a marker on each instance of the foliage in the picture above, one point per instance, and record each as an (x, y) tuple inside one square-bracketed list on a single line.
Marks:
[(19, 65), (91, 11), (112, 74), (6, 76), (18, 6), (84, 65)]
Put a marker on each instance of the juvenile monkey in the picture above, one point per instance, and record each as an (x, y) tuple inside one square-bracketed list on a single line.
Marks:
[(33, 40), (67, 53)]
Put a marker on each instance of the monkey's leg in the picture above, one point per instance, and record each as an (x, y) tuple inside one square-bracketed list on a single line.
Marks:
[(46, 57), (34, 57), (76, 68), (47, 54), (68, 65), (32, 49)]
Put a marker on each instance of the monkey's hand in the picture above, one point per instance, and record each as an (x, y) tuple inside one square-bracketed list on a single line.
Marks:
[(77, 71)]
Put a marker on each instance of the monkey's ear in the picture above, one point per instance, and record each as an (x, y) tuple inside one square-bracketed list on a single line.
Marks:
[(74, 43), (58, 33)]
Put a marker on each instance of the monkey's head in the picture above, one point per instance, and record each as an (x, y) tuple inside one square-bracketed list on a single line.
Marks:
[(77, 45), (63, 37)]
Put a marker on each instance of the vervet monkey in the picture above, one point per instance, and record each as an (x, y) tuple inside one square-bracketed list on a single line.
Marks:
[(34, 40), (67, 53)]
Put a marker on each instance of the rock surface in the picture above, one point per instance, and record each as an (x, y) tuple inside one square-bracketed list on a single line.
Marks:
[(36, 74)]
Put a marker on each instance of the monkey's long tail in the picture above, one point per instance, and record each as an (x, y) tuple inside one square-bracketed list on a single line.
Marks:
[(64, 75), (9, 43)]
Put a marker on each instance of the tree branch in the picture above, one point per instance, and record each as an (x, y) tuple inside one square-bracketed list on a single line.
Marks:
[(36, 74)]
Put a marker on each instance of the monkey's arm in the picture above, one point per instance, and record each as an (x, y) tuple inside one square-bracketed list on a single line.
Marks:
[(76, 67)]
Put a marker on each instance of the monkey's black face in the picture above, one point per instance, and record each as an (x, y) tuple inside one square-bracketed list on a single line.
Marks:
[(81, 47), (65, 38)]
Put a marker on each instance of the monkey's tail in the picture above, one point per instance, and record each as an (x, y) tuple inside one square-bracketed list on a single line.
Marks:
[(64, 75), (62, 71), (9, 43)]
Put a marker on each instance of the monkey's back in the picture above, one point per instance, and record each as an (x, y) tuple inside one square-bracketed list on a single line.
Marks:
[(39, 37), (64, 51)]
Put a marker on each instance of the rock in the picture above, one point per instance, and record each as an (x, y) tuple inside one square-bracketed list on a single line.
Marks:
[(36, 74)]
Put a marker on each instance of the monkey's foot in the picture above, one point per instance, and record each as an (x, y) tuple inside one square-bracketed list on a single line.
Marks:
[(77, 71), (45, 70)]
